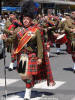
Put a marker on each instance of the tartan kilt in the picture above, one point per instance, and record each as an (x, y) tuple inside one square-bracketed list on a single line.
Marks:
[(73, 50), (32, 68), (32, 64), (47, 46), (68, 44), (73, 56), (44, 72), (52, 38), (39, 72)]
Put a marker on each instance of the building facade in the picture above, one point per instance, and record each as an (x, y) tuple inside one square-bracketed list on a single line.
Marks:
[(56, 5)]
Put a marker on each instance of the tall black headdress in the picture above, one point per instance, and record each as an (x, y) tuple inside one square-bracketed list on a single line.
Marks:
[(29, 9)]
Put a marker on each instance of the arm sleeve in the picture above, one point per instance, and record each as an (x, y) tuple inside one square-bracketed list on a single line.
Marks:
[(6, 31), (66, 28)]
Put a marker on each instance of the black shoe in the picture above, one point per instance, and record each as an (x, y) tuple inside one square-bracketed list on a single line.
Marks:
[(26, 99), (73, 71), (9, 69), (58, 53), (14, 68)]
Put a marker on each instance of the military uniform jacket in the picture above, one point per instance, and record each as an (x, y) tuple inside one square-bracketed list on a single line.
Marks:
[(34, 44), (7, 24)]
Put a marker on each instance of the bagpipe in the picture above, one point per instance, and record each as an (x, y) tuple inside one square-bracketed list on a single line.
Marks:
[(50, 17), (17, 23), (51, 23)]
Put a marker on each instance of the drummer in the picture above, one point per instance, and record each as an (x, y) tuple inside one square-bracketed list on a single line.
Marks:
[(60, 30), (54, 24), (55, 30), (69, 28)]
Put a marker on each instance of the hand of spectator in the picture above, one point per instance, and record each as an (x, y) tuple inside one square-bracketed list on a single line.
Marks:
[(3, 36)]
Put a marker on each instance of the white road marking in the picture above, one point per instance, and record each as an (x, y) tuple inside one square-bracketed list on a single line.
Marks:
[(8, 81), (43, 85), (19, 98), (73, 98)]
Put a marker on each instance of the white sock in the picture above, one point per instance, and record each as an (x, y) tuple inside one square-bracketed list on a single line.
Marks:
[(48, 54), (28, 93), (15, 63), (74, 66), (54, 44), (11, 65), (58, 50)]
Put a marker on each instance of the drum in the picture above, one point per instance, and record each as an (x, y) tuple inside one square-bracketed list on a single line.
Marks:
[(61, 39)]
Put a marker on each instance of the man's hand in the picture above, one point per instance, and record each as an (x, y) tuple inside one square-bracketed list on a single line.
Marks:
[(39, 61)]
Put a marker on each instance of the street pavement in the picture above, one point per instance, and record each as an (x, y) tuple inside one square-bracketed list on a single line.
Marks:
[(64, 77)]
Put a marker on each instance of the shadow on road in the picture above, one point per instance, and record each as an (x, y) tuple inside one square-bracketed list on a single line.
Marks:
[(61, 53), (68, 69), (51, 56), (39, 94), (34, 95)]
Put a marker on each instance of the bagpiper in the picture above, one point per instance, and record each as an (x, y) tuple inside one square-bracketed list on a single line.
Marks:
[(32, 61)]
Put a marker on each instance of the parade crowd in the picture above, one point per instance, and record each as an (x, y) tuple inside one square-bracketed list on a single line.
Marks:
[(28, 37)]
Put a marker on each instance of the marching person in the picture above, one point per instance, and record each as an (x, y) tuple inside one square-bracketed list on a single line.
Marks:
[(10, 25), (32, 61), (60, 30), (69, 27)]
